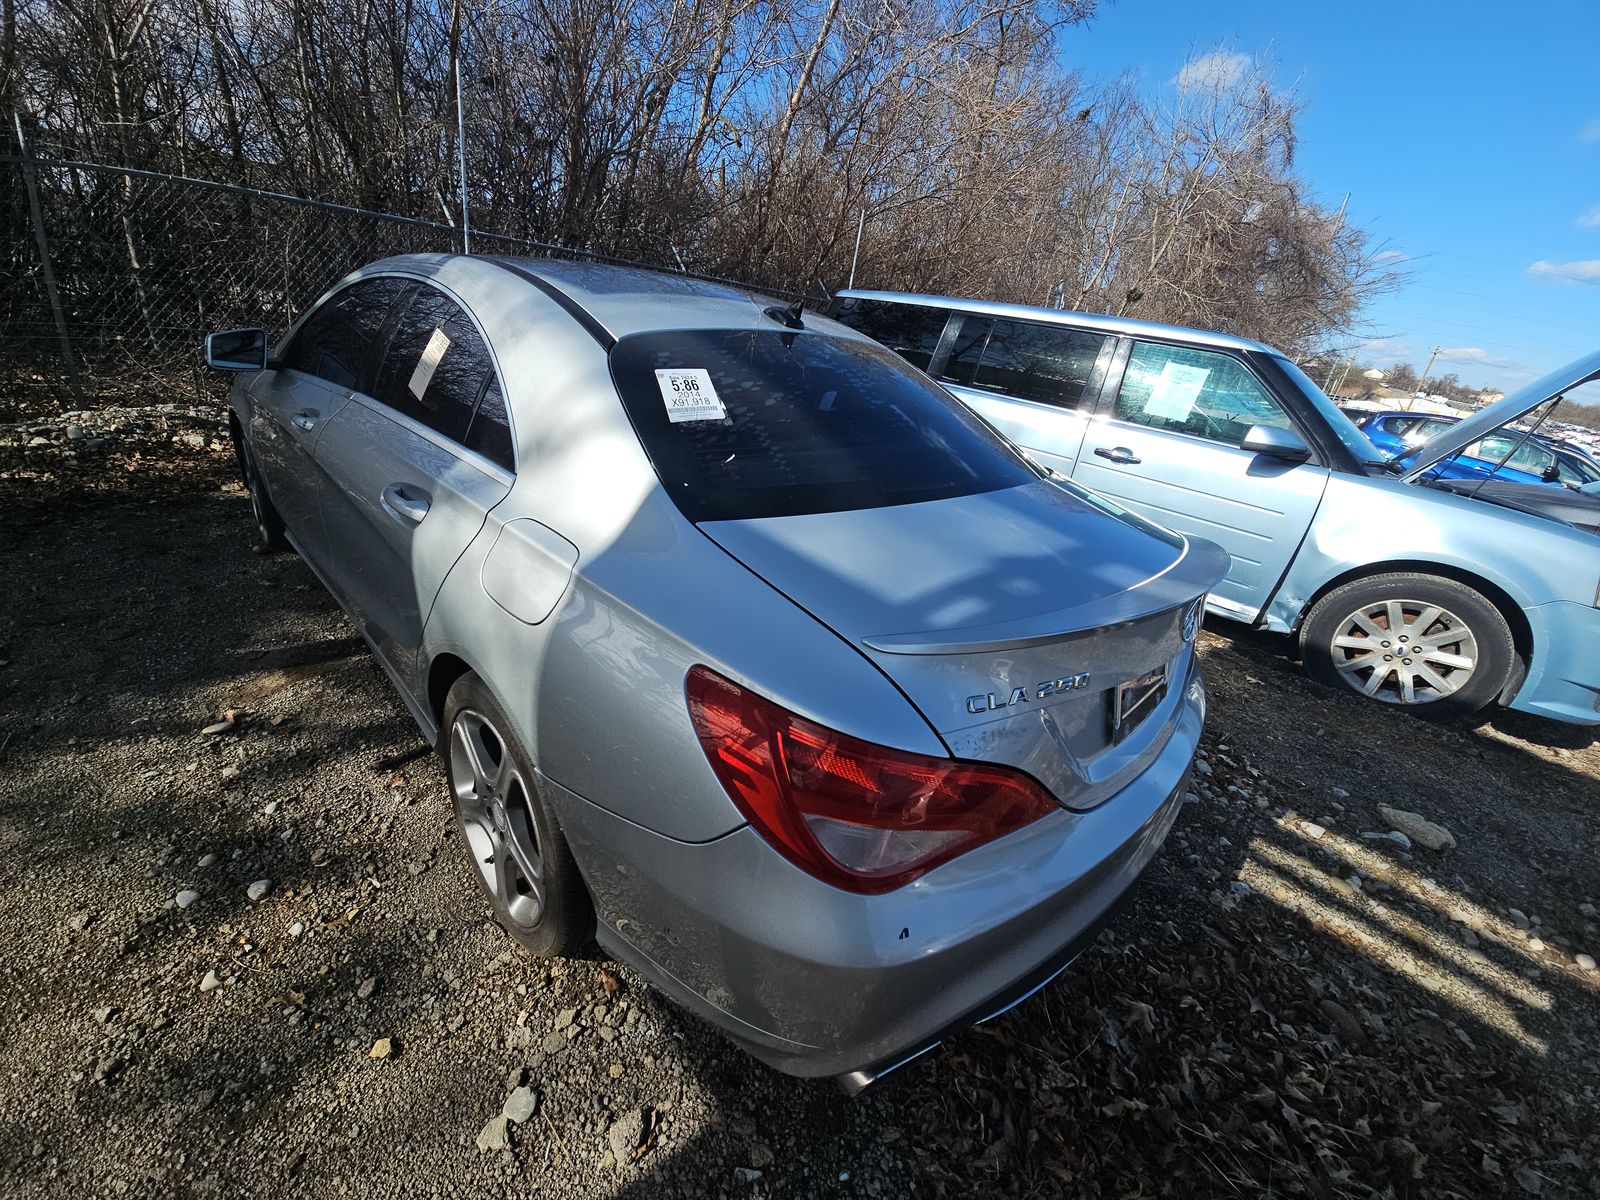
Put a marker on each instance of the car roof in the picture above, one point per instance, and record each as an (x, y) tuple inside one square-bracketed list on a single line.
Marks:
[(625, 300), (605, 298), (1126, 326)]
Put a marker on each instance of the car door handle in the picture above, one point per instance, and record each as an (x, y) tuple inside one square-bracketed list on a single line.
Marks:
[(1117, 454), (306, 419), (402, 507)]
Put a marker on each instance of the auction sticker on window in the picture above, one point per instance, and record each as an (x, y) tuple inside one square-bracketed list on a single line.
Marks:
[(429, 362), (689, 395)]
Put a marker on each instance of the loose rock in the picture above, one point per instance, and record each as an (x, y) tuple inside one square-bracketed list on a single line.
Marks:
[(626, 1135), (185, 898), (259, 889), (520, 1105), (1418, 828), (493, 1135)]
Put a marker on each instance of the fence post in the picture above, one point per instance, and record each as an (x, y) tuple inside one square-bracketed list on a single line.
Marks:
[(46, 269)]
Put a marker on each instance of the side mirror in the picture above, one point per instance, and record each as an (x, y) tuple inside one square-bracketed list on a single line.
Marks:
[(1273, 441), (1551, 474), (237, 350)]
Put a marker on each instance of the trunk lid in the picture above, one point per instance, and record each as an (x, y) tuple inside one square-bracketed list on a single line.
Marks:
[(1486, 420), (1010, 618)]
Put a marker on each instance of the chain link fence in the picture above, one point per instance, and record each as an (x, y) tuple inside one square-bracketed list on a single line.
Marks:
[(145, 264)]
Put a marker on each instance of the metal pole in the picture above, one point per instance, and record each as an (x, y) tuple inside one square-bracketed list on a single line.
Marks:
[(461, 135), (1331, 370), (46, 270), (1343, 375), (1428, 370), (860, 225)]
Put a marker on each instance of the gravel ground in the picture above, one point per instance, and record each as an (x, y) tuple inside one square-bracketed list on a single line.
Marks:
[(252, 961)]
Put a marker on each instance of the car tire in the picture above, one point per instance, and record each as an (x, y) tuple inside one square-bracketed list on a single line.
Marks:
[(1349, 639), (270, 533), (518, 853)]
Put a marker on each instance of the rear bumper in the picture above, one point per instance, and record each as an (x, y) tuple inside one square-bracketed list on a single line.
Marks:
[(1564, 678), (816, 981)]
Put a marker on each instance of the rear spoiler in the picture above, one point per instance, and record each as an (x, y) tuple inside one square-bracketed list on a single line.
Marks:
[(1200, 567)]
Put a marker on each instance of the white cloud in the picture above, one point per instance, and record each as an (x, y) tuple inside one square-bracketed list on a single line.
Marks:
[(1473, 354), (1590, 219), (1384, 258), (1590, 132), (1385, 351), (1218, 70), (1581, 271)]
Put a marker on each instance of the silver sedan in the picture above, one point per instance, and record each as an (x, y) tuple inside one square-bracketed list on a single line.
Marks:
[(750, 653)]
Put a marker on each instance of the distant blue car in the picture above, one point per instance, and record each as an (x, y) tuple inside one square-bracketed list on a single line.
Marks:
[(1400, 435)]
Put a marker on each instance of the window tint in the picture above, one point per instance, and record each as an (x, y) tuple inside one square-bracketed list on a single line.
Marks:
[(436, 366), (910, 330), (813, 424), (1038, 362), (1198, 392), (334, 341), (490, 431)]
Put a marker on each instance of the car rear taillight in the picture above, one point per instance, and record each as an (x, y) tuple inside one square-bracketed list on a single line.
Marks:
[(860, 816)]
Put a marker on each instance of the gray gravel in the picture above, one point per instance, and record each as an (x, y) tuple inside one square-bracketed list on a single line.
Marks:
[(249, 963), (1289, 1005)]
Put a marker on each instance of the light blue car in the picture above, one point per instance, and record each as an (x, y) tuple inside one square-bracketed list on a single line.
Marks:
[(1399, 587)]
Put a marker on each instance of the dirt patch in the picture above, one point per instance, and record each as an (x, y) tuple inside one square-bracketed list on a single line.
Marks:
[(1287, 1007)]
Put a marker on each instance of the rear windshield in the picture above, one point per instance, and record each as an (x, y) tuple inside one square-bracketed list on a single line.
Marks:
[(772, 424)]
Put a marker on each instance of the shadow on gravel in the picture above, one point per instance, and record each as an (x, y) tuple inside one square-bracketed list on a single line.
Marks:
[(1287, 1007)]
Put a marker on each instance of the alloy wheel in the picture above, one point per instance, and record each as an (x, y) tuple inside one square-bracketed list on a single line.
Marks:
[(1404, 651), (494, 812)]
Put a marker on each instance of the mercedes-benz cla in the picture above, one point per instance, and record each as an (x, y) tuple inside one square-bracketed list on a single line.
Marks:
[(749, 651)]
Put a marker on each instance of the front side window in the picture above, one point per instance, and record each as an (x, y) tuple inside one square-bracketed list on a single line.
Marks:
[(1202, 393), (1575, 471), (437, 367), (334, 341), (749, 423), (1528, 457), (911, 330)]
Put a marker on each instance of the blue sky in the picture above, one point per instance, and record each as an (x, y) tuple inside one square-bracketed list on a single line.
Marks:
[(1468, 138)]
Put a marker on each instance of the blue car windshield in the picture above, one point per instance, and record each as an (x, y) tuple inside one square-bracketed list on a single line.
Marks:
[(1340, 425)]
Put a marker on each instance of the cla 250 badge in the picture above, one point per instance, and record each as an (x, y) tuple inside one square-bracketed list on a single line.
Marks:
[(995, 701)]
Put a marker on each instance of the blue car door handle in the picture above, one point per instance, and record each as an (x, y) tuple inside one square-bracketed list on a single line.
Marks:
[(405, 508), (1117, 454)]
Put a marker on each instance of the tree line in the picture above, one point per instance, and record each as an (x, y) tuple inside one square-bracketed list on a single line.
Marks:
[(751, 138)]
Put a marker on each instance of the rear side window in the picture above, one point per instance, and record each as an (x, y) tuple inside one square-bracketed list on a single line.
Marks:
[(437, 367), (490, 431), (811, 424), (911, 330), (1030, 360), (334, 341)]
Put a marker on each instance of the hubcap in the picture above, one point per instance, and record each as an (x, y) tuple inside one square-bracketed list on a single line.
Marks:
[(493, 810), (1404, 651)]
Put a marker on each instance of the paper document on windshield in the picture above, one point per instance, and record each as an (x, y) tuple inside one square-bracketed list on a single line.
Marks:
[(1175, 391)]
